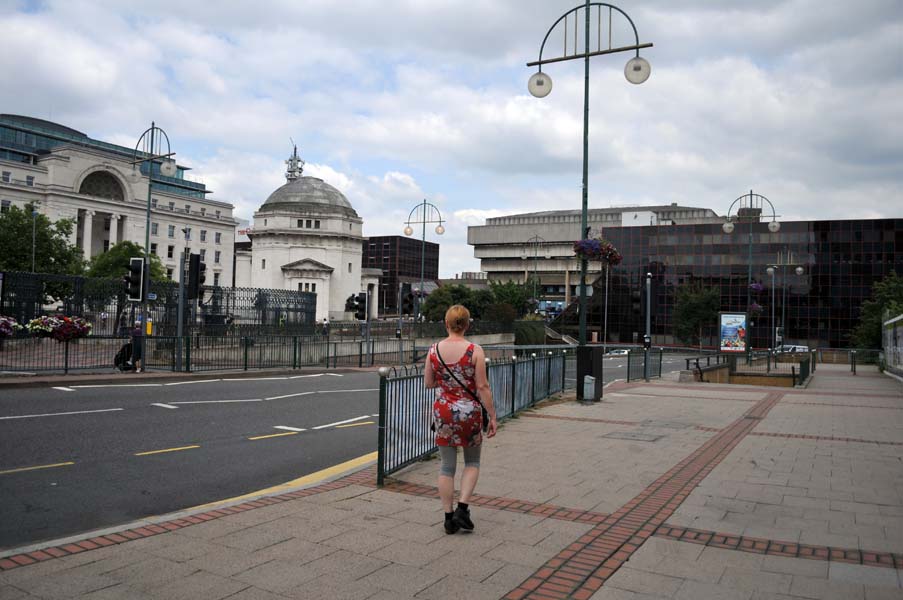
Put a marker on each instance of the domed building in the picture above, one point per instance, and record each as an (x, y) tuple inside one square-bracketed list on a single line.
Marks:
[(307, 237)]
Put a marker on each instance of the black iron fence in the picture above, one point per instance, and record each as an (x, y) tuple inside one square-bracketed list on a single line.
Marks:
[(103, 303), (406, 405), (636, 363), (202, 353)]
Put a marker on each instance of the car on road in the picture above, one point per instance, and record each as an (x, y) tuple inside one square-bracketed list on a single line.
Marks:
[(790, 348), (618, 352)]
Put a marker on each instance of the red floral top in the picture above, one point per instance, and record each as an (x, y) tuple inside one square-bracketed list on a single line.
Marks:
[(457, 415)]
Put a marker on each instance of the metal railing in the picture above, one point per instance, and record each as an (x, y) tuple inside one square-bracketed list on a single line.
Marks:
[(202, 353), (406, 405), (636, 363)]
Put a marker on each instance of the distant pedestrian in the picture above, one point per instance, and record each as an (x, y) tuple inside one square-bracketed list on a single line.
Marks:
[(458, 369), (138, 347), (325, 327)]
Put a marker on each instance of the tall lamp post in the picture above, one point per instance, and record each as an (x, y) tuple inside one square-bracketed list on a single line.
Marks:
[(34, 222), (637, 71), (427, 212), (750, 210), (784, 260), (151, 144)]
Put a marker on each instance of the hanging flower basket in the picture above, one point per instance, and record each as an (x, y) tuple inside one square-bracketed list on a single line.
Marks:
[(597, 249), (8, 327), (755, 309), (59, 328), (756, 287)]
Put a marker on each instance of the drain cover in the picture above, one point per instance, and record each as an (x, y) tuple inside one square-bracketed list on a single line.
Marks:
[(664, 424), (636, 437)]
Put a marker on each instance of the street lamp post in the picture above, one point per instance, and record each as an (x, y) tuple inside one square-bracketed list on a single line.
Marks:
[(784, 260), (429, 213), (637, 71), (750, 209), (151, 142)]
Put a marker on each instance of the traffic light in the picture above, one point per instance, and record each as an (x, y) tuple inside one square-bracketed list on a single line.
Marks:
[(407, 304), (350, 302), (360, 306), (134, 281), (197, 274), (636, 306)]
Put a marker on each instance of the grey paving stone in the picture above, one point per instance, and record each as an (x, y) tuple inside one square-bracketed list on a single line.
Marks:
[(253, 538), (696, 590), (644, 582), (8, 592), (416, 532), (295, 550), (227, 561), (476, 566), (510, 576), (872, 576), (360, 540), (755, 580), (519, 554), (824, 589), (402, 578), (116, 592), (328, 586), (198, 586), (279, 575), (151, 573), (253, 593), (64, 584), (795, 566), (881, 593), (460, 587), (409, 553)]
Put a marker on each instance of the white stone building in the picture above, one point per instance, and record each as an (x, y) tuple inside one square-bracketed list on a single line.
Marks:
[(306, 236), (66, 174)]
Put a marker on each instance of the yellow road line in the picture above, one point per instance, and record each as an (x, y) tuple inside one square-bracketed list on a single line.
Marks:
[(272, 435), (355, 424), (20, 470), (312, 479), (165, 450)]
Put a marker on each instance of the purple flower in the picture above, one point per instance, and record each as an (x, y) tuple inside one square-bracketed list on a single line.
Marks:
[(756, 286)]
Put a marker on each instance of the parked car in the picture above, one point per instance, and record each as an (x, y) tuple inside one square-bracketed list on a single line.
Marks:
[(788, 348), (618, 352)]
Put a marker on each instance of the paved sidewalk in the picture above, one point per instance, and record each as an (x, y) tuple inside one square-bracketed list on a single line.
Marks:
[(664, 490)]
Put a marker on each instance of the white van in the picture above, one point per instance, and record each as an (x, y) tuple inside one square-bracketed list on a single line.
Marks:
[(789, 348)]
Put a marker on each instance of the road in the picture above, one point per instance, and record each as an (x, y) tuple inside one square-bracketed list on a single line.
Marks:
[(615, 367), (80, 458)]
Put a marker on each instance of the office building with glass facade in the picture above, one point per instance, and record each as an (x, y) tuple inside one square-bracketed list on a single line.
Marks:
[(399, 257), (822, 271)]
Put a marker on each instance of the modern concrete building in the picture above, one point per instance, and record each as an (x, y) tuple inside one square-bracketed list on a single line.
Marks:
[(68, 175), (306, 236)]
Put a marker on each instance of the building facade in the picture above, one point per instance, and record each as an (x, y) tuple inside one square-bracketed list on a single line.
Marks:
[(838, 260), (306, 236), (399, 258), (68, 175)]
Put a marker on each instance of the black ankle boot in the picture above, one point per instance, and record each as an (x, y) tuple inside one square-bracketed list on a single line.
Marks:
[(450, 525), (461, 518)]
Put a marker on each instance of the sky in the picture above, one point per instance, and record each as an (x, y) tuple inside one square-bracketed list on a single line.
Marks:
[(397, 101)]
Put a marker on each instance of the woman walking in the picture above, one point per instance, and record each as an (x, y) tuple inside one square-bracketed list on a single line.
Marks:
[(458, 369)]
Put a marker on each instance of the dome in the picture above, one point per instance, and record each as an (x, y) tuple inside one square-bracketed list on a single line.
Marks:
[(307, 194)]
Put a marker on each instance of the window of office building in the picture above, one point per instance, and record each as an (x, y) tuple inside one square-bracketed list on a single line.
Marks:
[(216, 279), (217, 214), (203, 235), (29, 180), (106, 224), (263, 263), (4, 205), (169, 273), (313, 287), (187, 231), (171, 231), (316, 226), (203, 254), (153, 248), (216, 256), (217, 237), (308, 224), (7, 176), (106, 245), (187, 208), (349, 267), (169, 251), (203, 211), (172, 206), (154, 227), (300, 224)]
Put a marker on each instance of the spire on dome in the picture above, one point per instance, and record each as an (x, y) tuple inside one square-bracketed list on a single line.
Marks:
[(295, 166)]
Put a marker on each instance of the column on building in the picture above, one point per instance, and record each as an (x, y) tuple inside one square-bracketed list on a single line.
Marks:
[(88, 234), (114, 230)]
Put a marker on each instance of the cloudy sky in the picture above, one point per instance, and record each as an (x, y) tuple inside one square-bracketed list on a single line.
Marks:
[(400, 100)]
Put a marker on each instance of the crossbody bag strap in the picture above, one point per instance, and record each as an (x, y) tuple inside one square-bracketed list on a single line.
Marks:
[(458, 381)]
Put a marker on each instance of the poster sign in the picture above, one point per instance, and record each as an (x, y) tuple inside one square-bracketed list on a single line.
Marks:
[(732, 327)]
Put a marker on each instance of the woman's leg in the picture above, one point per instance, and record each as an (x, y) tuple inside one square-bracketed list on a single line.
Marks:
[(448, 455), (471, 473)]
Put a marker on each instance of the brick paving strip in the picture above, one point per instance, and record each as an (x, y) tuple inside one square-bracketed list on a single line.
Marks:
[(779, 548), (582, 568)]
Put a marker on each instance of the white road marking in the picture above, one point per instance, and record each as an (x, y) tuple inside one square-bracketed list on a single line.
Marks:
[(334, 374), (113, 385), (340, 391), (342, 422), (218, 401), (290, 395), (254, 379), (189, 382), (64, 389), (78, 412), (305, 376), (287, 428), (161, 405)]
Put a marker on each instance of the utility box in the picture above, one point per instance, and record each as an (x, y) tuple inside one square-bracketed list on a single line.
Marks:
[(589, 388)]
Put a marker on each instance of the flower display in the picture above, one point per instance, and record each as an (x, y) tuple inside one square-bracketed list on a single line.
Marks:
[(59, 328), (756, 287), (8, 326), (598, 249), (755, 308)]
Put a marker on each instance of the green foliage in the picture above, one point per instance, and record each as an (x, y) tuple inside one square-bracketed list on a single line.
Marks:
[(479, 300), (695, 307), (887, 296), (529, 332), (500, 313), (53, 252), (115, 262), (439, 300), (514, 294)]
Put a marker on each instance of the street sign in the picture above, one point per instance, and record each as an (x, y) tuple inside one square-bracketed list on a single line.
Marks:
[(151, 296)]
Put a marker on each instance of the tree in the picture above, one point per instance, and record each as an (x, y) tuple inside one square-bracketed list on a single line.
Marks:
[(514, 294), (887, 296), (115, 262), (479, 300), (442, 298), (695, 307), (53, 252)]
